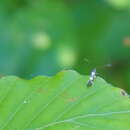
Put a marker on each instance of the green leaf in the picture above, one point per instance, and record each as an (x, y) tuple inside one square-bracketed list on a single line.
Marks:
[(62, 102)]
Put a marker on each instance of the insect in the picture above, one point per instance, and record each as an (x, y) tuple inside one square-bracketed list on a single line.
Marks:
[(94, 73), (91, 78)]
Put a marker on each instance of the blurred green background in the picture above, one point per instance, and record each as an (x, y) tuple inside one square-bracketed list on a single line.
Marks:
[(43, 37)]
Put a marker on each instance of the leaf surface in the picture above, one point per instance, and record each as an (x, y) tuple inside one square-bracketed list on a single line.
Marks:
[(62, 102)]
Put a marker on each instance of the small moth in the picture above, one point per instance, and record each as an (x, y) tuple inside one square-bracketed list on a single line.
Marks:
[(91, 78)]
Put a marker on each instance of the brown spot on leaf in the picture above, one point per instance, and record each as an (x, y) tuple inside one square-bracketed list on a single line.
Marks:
[(40, 90), (71, 99), (65, 95)]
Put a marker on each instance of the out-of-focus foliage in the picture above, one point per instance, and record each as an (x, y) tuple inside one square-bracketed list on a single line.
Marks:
[(42, 37)]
